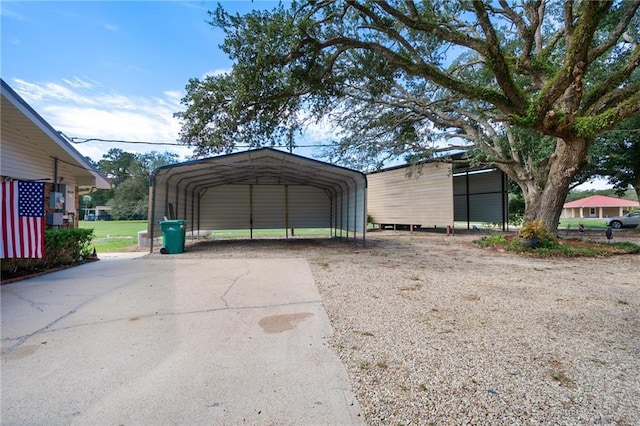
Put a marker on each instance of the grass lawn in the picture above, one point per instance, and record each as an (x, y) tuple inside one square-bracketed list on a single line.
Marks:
[(588, 223), (564, 223), (120, 235), (114, 235)]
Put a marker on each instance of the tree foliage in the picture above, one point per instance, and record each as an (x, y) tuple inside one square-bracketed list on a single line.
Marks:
[(129, 173), (616, 157), (525, 86)]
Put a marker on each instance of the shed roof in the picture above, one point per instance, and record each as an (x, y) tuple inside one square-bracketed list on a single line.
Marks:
[(33, 129), (263, 166), (601, 201)]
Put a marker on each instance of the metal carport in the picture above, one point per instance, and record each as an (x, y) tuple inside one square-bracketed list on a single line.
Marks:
[(259, 189)]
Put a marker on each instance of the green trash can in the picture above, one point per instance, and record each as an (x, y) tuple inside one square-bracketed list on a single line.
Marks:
[(173, 236)]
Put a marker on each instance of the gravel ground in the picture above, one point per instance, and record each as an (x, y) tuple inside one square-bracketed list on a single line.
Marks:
[(434, 330)]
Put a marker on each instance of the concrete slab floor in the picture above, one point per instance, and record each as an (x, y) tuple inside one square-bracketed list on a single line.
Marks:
[(134, 340)]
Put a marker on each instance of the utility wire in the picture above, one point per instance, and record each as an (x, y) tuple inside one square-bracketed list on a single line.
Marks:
[(77, 140)]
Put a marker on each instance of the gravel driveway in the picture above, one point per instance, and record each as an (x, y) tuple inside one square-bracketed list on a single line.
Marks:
[(433, 329)]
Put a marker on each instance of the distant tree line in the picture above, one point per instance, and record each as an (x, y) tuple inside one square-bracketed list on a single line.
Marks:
[(129, 174)]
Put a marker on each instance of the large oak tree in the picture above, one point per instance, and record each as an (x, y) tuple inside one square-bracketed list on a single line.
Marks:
[(526, 86), (616, 157)]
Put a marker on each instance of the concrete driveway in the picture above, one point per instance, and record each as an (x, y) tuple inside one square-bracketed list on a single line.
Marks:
[(131, 340)]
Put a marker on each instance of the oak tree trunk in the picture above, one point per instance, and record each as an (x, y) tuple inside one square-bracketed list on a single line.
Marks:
[(544, 195)]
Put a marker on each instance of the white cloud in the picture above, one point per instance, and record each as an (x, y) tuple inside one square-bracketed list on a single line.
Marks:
[(595, 184), (49, 92), (215, 73), (110, 27), (6, 12), (78, 82), (14, 40), (320, 131), (79, 109)]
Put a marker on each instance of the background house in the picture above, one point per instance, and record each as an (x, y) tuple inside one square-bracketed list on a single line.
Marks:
[(597, 207), (32, 150)]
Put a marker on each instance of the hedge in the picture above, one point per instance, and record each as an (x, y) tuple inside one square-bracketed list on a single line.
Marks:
[(62, 247)]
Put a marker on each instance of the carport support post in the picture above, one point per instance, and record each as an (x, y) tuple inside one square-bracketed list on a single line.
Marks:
[(152, 182), (193, 206), (251, 212), (505, 202), (468, 200), (286, 210), (364, 219)]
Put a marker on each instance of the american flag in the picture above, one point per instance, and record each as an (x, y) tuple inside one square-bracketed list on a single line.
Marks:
[(22, 220)]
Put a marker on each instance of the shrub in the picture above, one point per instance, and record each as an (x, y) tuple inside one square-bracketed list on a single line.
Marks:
[(559, 247), (535, 229), (66, 246), (62, 247), (536, 234)]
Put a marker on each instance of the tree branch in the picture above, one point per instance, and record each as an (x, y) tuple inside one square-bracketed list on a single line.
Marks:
[(497, 62), (617, 32), (596, 96), (574, 63), (454, 37)]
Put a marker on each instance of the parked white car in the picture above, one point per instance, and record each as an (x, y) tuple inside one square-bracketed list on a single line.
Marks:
[(629, 220)]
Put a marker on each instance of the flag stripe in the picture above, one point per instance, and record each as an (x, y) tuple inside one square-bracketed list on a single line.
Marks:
[(22, 220)]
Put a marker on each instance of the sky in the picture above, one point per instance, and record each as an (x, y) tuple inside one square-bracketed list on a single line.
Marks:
[(112, 70), (117, 70)]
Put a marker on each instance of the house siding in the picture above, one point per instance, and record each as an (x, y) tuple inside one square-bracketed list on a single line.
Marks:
[(29, 161), (601, 212)]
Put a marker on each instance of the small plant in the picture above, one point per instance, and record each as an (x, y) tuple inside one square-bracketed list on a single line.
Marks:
[(562, 378), (535, 229), (492, 240)]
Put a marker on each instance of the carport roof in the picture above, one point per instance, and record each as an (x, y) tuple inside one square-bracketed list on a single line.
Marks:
[(263, 166)]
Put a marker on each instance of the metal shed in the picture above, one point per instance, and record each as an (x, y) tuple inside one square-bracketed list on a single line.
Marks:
[(403, 196), (481, 195), (437, 194), (260, 189)]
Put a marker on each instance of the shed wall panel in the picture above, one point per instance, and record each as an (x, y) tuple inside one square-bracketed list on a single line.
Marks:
[(309, 207), (268, 207), (460, 207), (485, 197), (421, 199), (486, 208), (482, 183), (225, 207), (460, 185)]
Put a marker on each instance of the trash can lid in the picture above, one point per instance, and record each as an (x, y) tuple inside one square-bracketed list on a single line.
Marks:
[(174, 221)]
